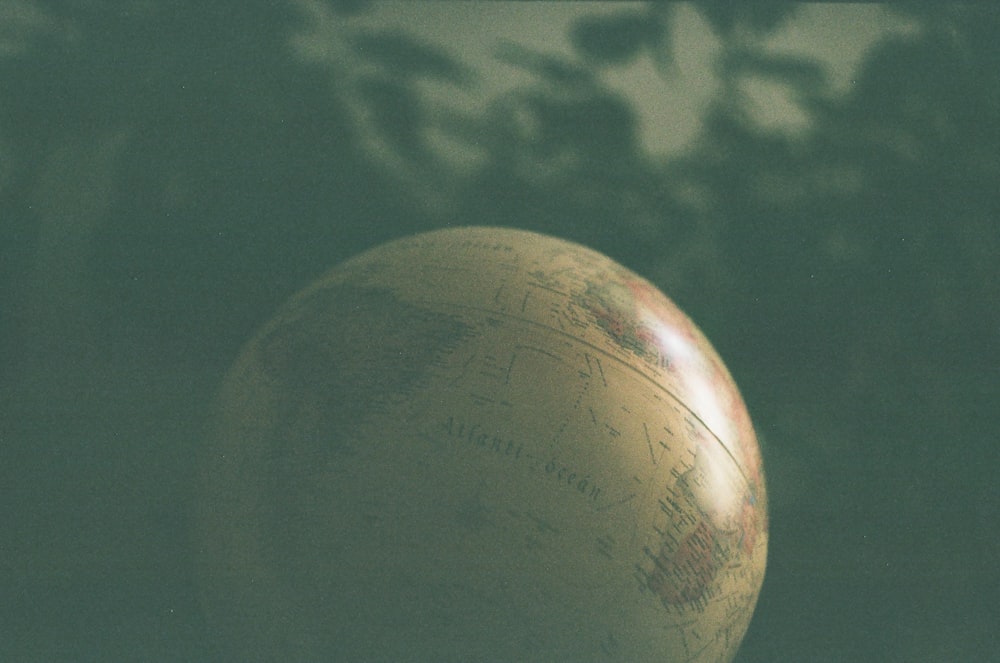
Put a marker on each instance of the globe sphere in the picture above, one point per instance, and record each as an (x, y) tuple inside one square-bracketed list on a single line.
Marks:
[(481, 444)]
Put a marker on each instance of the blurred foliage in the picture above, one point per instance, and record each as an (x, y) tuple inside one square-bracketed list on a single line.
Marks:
[(617, 39), (738, 19), (171, 171)]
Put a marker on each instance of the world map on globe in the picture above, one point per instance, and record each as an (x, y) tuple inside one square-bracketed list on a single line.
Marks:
[(482, 444)]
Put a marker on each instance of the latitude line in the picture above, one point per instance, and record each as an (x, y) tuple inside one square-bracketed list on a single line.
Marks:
[(609, 355)]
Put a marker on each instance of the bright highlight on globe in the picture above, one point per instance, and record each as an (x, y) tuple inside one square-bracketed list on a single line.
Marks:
[(481, 444)]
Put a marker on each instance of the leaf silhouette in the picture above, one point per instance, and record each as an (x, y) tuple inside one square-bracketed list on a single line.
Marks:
[(725, 16), (552, 69), (405, 56), (615, 39), (801, 73)]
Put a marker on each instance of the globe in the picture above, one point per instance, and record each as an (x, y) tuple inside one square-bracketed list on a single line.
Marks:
[(481, 444)]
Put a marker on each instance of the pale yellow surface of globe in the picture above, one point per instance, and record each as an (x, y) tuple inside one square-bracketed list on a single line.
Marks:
[(481, 444)]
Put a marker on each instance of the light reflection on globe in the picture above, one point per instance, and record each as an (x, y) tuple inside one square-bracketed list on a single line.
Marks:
[(481, 444)]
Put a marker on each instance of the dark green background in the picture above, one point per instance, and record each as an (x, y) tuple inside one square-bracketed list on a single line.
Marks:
[(170, 172)]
